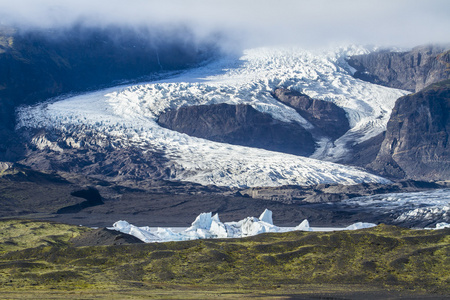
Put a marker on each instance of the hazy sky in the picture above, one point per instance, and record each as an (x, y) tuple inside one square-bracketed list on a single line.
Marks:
[(254, 23)]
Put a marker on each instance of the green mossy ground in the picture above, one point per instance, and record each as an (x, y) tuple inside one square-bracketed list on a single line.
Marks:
[(36, 258)]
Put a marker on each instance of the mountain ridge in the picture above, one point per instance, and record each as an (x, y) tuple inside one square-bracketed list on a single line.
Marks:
[(416, 144), (408, 70)]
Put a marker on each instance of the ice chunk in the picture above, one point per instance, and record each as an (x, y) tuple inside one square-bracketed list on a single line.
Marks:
[(442, 225), (142, 234), (207, 226), (266, 216), (166, 234), (253, 226), (360, 225), (217, 228), (203, 221), (303, 226)]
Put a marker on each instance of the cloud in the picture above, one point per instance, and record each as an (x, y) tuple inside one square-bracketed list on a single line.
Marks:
[(254, 23)]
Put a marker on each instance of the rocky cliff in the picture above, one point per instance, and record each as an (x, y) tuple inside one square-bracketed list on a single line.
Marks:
[(239, 125), (412, 70), (328, 118), (416, 143)]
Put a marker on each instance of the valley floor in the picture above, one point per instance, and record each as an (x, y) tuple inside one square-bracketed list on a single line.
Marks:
[(41, 260), (166, 291)]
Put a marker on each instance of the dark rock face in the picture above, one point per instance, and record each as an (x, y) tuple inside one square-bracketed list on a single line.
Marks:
[(363, 153), (96, 157), (104, 237), (239, 125), (92, 197), (416, 144), (36, 65), (411, 71), (327, 117)]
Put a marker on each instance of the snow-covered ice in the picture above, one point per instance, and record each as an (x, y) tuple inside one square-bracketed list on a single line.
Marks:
[(360, 225), (127, 116), (429, 205), (442, 225), (207, 226)]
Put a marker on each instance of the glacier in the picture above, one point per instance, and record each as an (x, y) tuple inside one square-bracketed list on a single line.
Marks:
[(127, 116), (428, 206), (208, 226)]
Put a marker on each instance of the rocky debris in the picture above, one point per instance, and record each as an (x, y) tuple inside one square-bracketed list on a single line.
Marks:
[(104, 237), (95, 156), (239, 125), (416, 144), (411, 71), (324, 193), (328, 118)]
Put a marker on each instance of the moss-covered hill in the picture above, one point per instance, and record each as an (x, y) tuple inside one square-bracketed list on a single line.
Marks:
[(39, 257)]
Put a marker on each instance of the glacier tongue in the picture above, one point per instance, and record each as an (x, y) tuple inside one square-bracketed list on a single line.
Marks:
[(127, 115)]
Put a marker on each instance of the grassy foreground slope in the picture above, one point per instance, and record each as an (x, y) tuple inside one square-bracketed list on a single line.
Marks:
[(37, 259)]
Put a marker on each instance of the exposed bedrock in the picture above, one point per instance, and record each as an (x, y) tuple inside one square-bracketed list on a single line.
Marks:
[(416, 144), (239, 125), (411, 71), (328, 118)]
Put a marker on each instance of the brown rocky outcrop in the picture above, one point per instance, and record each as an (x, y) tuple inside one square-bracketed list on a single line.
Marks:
[(416, 143), (239, 125), (328, 118), (412, 70)]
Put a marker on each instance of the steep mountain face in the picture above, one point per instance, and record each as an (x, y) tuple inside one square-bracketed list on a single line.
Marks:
[(327, 117), (416, 143), (37, 64), (239, 125), (411, 71)]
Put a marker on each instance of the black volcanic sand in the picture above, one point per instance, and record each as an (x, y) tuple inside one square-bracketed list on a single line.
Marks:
[(75, 200), (180, 210)]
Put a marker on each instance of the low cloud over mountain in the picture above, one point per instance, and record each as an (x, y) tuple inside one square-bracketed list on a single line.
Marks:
[(403, 23)]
